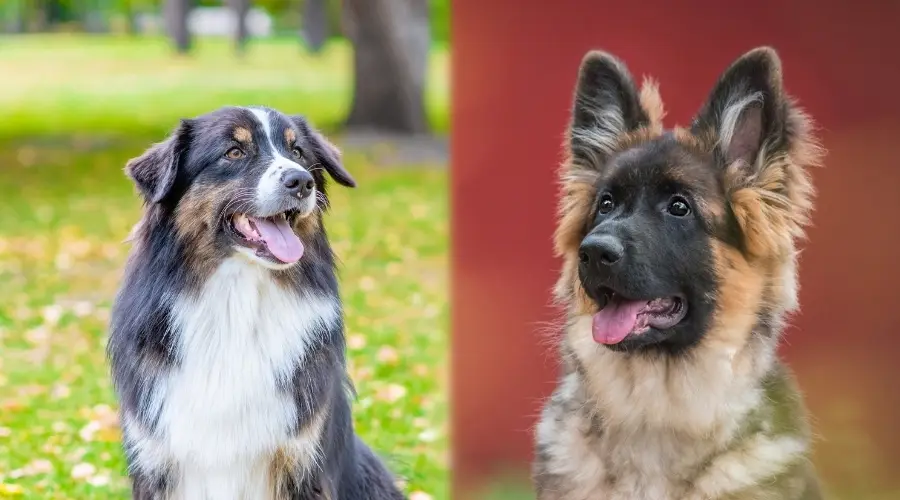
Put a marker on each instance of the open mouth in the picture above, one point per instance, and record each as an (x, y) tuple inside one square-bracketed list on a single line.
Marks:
[(271, 237), (620, 317)]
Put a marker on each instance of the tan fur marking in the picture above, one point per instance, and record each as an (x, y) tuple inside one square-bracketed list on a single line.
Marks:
[(652, 103), (578, 193), (635, 138), (691, 141), (738, 299), (196, 221), (289, 136), (302, 455), (241, 134), (309, 225)]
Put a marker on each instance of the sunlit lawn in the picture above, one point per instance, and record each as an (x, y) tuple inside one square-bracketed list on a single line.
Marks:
[(67, 208), (77, 84)]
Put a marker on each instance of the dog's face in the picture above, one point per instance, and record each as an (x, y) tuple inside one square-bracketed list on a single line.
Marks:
[(646, 258), (246, 180), (672, 236)]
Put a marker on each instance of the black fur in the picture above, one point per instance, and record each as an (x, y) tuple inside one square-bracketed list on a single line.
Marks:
[(664, 255), (163, 265)]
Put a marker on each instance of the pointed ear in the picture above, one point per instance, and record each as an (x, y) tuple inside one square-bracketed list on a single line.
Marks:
[(747, 110), (606, 106), (326, 153), (154, 171)]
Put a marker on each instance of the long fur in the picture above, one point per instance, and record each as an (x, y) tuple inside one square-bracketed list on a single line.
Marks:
[(721, 419), (230, 373)]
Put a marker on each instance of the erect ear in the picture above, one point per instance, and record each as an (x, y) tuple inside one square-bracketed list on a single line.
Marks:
[(326, 153), (154, 171), (747, 110), (606, 106)]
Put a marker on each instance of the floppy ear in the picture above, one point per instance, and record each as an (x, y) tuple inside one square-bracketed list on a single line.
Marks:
[(606, 106), (154, 171), (747, 110), (326, 153)]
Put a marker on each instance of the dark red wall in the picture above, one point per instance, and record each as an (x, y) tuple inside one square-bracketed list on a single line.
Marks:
[(514, 65)]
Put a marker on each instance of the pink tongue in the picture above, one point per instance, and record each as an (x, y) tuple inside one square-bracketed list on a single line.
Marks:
[(280, 238), (615, 321)]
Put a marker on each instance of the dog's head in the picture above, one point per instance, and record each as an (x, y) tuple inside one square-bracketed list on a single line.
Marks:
[(673, 236), (247, 180)]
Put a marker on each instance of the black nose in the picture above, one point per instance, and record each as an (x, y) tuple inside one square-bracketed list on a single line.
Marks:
[(601, 249), (298, 182)]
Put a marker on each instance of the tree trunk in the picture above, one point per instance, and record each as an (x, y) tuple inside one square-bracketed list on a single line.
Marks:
[(391, 41), (240, 9), (15, 15), (176, 14), (95, 16), (315, 24)]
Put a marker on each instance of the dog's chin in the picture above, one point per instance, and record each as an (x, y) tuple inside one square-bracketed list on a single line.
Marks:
[(267, 240), (647, 340), (263, 260)]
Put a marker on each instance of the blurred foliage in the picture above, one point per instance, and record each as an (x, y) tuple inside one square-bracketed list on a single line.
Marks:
[(69, 15), (122, 86)]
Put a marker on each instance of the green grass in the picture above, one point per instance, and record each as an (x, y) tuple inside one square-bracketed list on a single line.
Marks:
[(62, 84), (68, 207)]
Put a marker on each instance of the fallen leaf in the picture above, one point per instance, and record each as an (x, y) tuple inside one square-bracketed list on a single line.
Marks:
[(367, 283), (388, 355), (391, 393), (356, 342), (83, 471), (99, 480), (11, 489), (428, 436)]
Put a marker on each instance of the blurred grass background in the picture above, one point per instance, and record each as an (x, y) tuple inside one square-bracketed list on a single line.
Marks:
[(73, 110), (127, 87)]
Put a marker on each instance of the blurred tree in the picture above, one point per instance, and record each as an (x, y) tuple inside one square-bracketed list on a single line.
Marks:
[(391, 42), (176, 14), (315, 24), (15, 16), (240, 9), (95, 15)]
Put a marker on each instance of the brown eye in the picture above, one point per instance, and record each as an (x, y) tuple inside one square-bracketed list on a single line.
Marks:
[(296, 153), (234, 154)]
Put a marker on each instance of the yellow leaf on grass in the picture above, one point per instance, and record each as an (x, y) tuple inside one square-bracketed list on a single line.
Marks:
[(11, 489)]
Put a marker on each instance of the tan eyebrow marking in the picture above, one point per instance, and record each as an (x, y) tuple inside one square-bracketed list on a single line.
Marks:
[(289, 136), (242, 135)]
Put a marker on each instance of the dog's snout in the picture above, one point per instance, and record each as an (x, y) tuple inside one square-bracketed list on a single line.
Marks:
[(298, 182), (604, 250)]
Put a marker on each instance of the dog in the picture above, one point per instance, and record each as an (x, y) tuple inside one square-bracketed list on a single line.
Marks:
[(679, 269), (226, 340)]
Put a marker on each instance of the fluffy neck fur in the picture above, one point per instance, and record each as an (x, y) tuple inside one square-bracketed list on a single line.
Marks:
[(704, 392)]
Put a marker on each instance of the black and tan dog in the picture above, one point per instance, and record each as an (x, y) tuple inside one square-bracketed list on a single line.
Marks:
[(679, 251), (227, 342)]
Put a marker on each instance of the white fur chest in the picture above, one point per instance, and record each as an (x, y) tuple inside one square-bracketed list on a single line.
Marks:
[(222, 412)]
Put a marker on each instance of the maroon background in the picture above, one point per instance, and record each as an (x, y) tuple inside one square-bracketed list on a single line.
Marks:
[(514, 66)]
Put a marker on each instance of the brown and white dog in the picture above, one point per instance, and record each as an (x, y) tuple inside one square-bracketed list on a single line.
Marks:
[(226, 342), (679, 249)]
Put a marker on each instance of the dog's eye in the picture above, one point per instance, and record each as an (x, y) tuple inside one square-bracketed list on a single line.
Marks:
[(296, 153), (678, 207), (234, 154), (606, 204)]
